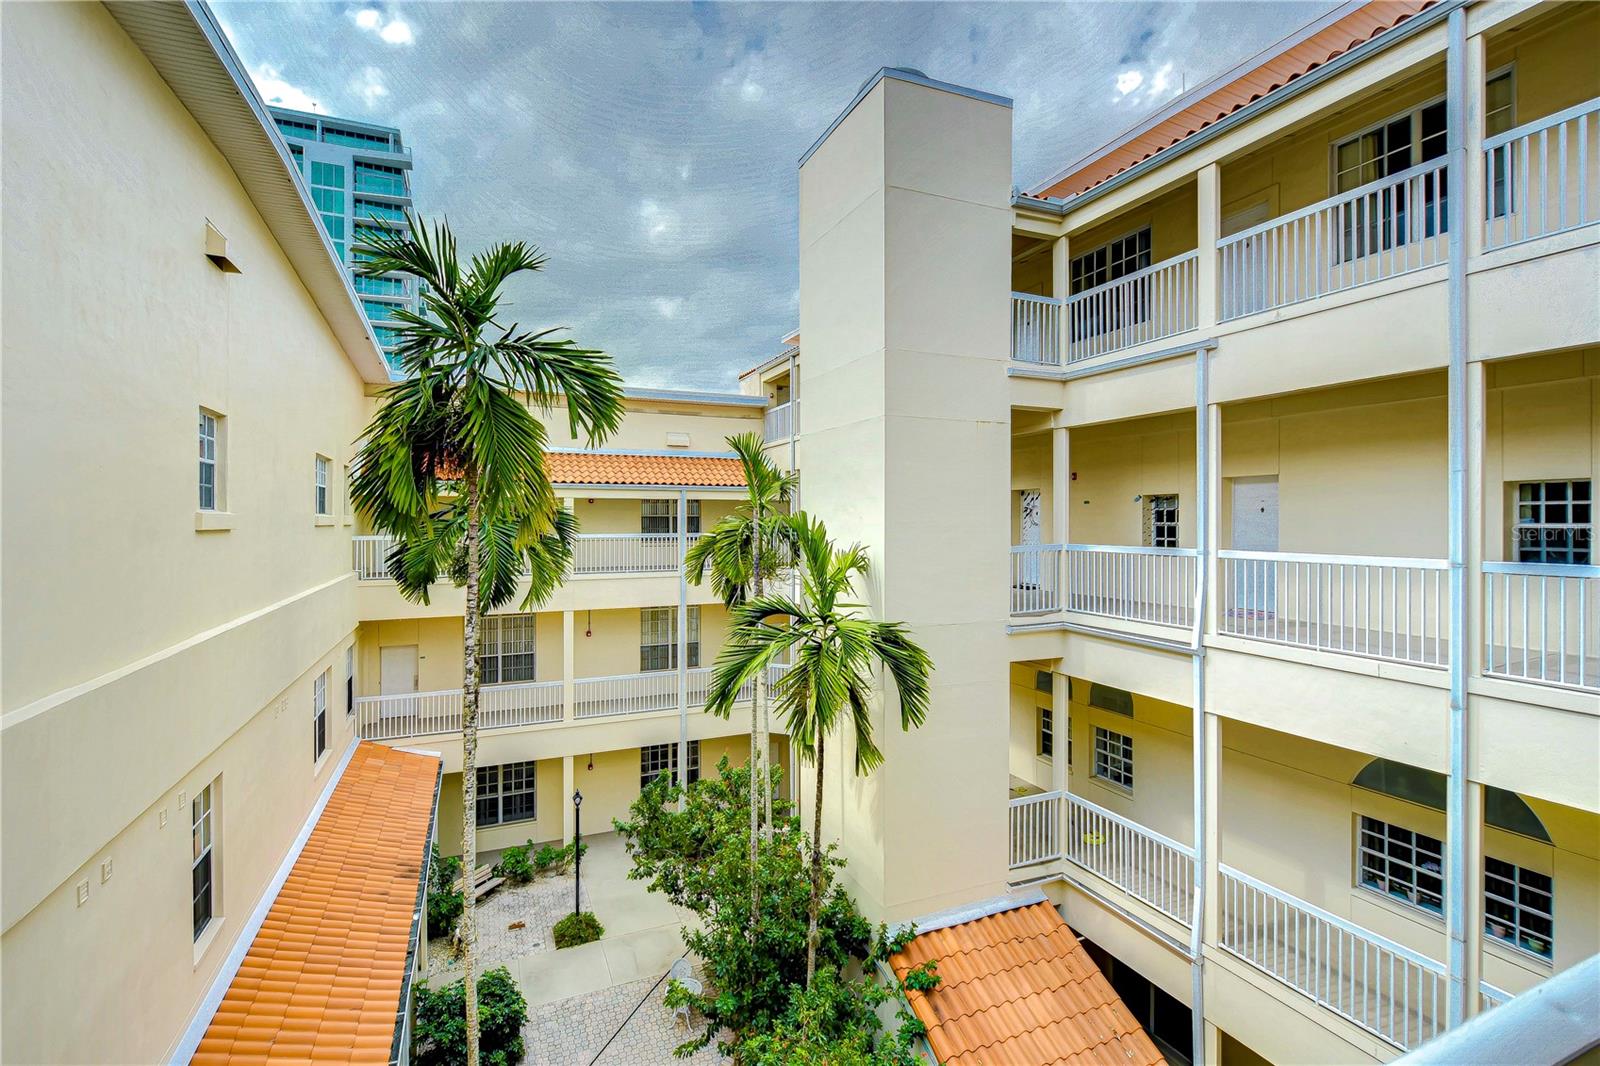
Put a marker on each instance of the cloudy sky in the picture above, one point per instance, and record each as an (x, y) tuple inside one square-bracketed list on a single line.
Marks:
[(650, 148)]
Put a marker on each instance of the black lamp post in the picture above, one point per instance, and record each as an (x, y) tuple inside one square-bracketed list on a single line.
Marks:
[(577, 851)]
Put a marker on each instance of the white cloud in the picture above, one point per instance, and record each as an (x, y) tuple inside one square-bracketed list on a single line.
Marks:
[(368, 18), (659, 222), (1160, 82), (1128, 81), (668, 307), (275, 89), (398, 31), (369, 86)]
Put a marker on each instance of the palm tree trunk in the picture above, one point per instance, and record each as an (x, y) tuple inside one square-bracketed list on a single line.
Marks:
[(469, 766), (757, 778), (816, 873)]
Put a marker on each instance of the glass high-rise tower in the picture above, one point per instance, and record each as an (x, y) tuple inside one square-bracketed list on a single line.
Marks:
[(360, 179)]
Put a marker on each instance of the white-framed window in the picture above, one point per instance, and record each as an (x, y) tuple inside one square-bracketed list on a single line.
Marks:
[(658, 759), (506, 648), (1161, 521), (1401, 863), (1519, 906), (1115, 259), (1500, 115), (322, 485), (1554, 522), (661, 516), (1113, 757), (210, 460), (319, 715), (1046, 732), (506, 793), (350, 680), (202, 871), (658, 638)]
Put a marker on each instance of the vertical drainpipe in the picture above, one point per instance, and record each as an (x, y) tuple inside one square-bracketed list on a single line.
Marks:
[(683, 643), (1202, 447), (1458, 879)]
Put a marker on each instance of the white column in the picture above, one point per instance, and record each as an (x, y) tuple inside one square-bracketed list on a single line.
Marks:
[(1060, 484), (683, 640), (1476, 205), (1061, 288), (568, 657), (569, 785), (1208, 191), (1060, 729)]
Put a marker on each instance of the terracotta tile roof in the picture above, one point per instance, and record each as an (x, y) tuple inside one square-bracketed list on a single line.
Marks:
[(323, 977), (611, 468), (1018, 988), (1328, 43)]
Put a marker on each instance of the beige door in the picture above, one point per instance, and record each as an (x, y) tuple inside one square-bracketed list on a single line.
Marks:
[(397, 676)]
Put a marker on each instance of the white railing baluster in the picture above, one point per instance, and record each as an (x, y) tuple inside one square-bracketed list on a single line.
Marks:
[(1034, 827), (1150, 304), (1035, 578), (1122, 581), (1536, 176), (414, 714), (779, 423), (1035, 329), (1540, 622), (1152, 868)]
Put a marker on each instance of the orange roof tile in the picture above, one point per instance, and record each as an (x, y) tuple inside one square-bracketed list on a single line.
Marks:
[(1018, 988), (323, 977), (613, 468), (1293, 61)]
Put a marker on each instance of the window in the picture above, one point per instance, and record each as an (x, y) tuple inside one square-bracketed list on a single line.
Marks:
[(210, 483), (201, 874), (327, 192), (291, 128), (506, 793), (1161, 521), (1518, 906), (661, 516), (322, 485), (506, 648), (658, 759), (1499, 115), (1406, 865), (1047, 732), (319, 715), (1380, 220), (1107, 698), (378, 311), (1121, 257), (1113, 757), (658, 638), (355, 138), (1554, 522), (374, 177), (350, 680)]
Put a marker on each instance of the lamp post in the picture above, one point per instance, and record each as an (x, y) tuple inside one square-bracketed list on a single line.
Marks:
[(577, 851)]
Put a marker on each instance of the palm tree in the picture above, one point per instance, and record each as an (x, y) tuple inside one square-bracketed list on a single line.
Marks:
[(452, 464), (834, 653), (741, 551)]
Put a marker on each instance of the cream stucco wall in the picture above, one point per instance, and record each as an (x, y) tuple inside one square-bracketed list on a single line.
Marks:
[(199, 666)]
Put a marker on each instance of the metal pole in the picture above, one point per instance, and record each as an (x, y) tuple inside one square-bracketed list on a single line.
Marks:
[(683, 648), (577, 852), (1459, 881), (1197, 716)]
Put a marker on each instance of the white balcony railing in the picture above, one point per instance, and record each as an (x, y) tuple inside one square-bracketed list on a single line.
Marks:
[(644, 693), (594, 553), (1147, 305), (1541, 622), (1131, 583), (1388, 227), (1396, 609), (1035, 828), (372, 557), (1543, 177), (1148, 866), (780, 422), (1380, 985), (1035, 578), (1035, 329), (420, 713)]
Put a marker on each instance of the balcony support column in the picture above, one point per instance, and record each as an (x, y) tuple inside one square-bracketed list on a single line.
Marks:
[(1060, 485), (569, 784), (1060, 731), (1208, 192), (568, 656)]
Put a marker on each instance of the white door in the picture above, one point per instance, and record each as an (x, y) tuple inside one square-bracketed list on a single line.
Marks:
[(1255, 529), (397, 676), (1031, 522)]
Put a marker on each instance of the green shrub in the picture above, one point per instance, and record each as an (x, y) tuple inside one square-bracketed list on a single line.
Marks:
[(440, 1027), (445, 899), (514, 864), (577, 929)]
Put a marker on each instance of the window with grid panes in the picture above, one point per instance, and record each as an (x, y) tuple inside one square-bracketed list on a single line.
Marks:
[(658, 638), (1113, 757), (1405, 865), (201, 874), (1500, 165), (322, 485), (506, 793), (661, 516), (1519, 906), (506, 644), (208, 461), (658, 759), (1385, 219), (319, 715), (1047, 732), (350, 680), (1119, 258), (1554, 522), (1163, 524)]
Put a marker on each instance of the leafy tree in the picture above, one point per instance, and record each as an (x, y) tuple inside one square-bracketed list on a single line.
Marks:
[(742, 551), (445, 898), (835, 1023), (440, 1019), (452, 464), (833, 653)]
